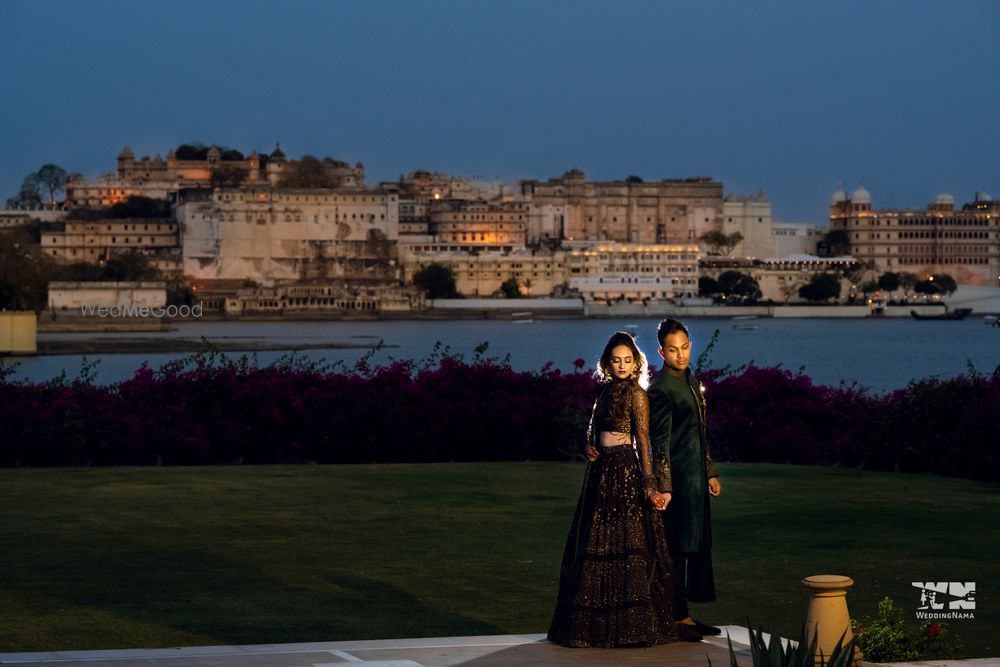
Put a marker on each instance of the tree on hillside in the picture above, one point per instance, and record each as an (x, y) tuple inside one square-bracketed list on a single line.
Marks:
[(332, 163), (707, 286), (227, 176), (739, 287), (307, 172), (130, 266), (889, 282), (80, 272), (23, 272), (940, 283), (856, 272), (869, 286), (822, 287), (510, 288), (52, 177), (945, 283), (194, 150), (29, 195), (835, 243), (436, 280), (720, 243), (632, 178), (907, 281)]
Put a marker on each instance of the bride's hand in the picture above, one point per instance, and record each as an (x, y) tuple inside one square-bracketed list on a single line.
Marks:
[(660, 500)]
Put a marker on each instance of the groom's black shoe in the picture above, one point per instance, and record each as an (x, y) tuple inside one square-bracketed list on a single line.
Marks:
[(686, 633), (703, 629)]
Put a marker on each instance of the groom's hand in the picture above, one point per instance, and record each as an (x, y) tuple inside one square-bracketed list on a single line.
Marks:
[(660, 500)]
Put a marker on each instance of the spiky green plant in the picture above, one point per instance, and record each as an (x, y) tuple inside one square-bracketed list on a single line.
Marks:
[(777, 653)]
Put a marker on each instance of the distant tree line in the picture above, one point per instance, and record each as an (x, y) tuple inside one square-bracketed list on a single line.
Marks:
[(199, 151), (889, 282)]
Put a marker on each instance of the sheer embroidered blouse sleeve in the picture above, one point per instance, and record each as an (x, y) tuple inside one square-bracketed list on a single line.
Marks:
[(591, 440), (640, 430)]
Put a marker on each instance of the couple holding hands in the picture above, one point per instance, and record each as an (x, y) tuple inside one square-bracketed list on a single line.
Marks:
[(639, 548)]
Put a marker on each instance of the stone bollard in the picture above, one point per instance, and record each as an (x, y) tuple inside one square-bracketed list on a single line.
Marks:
[(827, 616)]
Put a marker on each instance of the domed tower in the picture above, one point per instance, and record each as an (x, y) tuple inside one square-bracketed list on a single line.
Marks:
[(214, 156), (276, 165), (944, 202), (861, 200), (984, 202), (839, 201)]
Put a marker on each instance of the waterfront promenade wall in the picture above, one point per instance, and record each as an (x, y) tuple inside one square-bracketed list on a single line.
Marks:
[(669, 310), (982, 300), (550, 308), (510, 305), (513, 309), (522, 310)]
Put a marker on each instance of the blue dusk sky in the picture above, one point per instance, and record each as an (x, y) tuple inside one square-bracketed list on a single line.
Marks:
[(789, 97)]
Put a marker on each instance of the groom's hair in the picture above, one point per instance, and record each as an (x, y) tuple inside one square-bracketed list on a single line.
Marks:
[(667, 327)]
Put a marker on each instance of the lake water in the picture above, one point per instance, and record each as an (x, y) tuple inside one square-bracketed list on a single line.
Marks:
[(881, 354)]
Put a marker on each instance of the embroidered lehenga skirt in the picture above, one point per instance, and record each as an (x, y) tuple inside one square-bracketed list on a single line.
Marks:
[(614, 585)]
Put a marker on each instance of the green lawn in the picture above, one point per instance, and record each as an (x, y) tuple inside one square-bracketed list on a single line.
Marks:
[(124, 557)]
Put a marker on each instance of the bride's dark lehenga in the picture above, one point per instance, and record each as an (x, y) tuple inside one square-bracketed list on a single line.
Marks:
[(614, 585)]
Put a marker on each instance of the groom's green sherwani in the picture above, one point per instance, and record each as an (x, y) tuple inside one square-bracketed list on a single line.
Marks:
[(681, 458)]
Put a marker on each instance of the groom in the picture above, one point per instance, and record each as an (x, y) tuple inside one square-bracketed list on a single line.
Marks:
[(680, 453)]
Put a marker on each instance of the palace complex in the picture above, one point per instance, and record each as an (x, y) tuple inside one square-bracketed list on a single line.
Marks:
[(313, 233)]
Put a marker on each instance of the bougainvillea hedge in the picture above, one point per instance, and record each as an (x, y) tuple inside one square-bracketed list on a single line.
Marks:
[(210, 409)]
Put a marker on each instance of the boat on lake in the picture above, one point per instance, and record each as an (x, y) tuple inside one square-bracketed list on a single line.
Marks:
[(745, 323)]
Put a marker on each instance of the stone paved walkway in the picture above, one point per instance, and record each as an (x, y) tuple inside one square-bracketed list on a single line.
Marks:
[(486, 651)]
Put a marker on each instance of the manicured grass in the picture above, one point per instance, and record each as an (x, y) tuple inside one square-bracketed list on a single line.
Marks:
[(122, 557)]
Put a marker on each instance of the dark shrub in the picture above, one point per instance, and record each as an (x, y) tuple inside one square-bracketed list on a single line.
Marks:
[(213, 410)]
